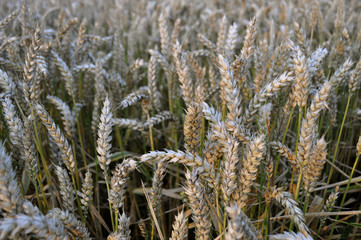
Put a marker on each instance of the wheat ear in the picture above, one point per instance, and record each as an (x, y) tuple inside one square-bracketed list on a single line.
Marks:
[(198, 205), (315, 164), (67, 115), (203, 166), (29, 152), (287, 201), (76, 227), (301, 86), (182, 71), (239, 225), (119, 183), (309, 125), (123, 231), (156, 191), (268, 91), (87, 193), (8, 19), (104, 136), (16, 132), (57, 136), (222, 32), (66, 189), (30, 66), (229, 169), (179, 227), (230, 97), (134, 97), (164, 35), (37, 225), (133, 124), (192, 127), (6, 84), (11, 200), (287, 153), (249, 171), (290, 236), (355, 77)]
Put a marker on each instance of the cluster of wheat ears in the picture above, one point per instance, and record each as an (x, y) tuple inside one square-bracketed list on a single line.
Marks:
[(166, 119)]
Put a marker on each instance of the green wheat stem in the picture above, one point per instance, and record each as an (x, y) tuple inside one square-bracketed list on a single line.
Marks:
[(298, 129), (338, 139), (150, 131), (296, 149), (305, 207), (37, 195), (77, 197), (39, 146), (345, 194), (110, 205)]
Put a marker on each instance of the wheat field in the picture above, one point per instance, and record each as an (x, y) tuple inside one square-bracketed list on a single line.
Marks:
[(233, 119)]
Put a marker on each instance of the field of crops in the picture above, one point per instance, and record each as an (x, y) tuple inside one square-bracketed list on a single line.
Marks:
[(203, 119)]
